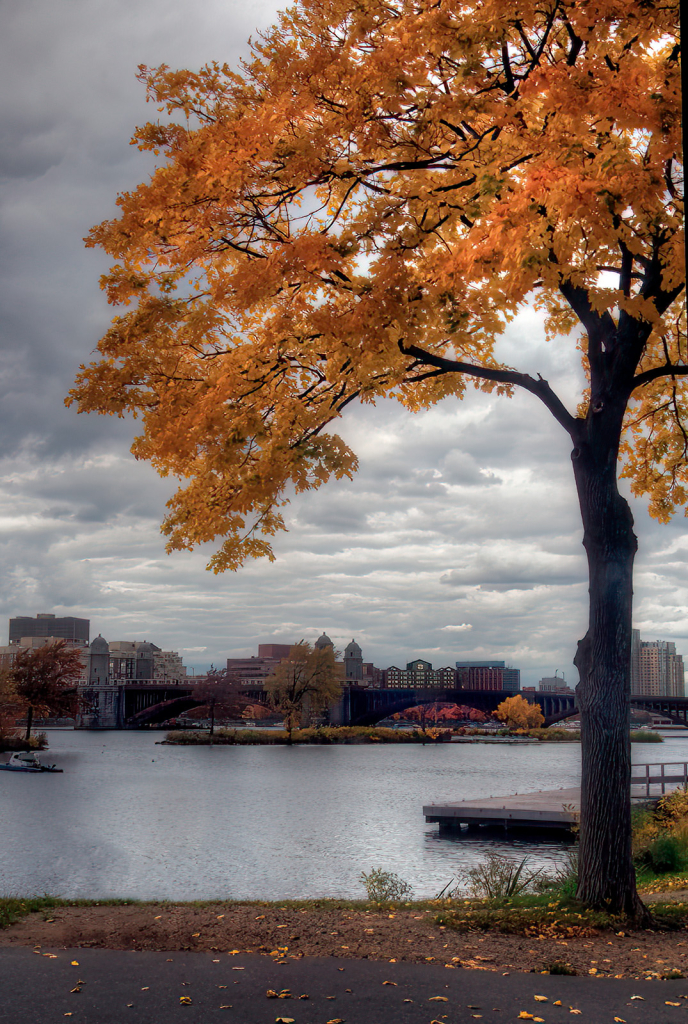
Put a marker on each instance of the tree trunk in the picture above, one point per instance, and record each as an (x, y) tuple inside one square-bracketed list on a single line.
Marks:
[(606, 877), (29, 723), (212, 717)]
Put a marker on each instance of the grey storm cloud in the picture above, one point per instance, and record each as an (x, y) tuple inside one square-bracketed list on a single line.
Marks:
[(460, 534)]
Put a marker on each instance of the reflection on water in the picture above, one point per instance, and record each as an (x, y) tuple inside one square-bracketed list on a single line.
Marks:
[(132, 819)]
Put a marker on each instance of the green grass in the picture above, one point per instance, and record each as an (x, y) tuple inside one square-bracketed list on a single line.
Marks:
[(546, 915)]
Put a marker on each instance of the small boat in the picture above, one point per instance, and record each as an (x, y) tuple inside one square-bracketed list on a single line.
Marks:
[(27, 761)]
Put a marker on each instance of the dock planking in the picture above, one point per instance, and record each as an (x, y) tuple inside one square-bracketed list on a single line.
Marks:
[(553, 808)]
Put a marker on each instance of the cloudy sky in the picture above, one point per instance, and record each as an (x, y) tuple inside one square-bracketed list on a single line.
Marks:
[(460, 536)]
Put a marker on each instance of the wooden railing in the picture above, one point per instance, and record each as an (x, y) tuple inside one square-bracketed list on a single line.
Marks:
[(646, 776)]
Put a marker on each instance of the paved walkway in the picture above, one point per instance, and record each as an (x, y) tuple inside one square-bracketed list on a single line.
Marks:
[(96, 986)]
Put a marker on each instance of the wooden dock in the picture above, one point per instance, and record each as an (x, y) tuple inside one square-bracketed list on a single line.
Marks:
[(554, 808)]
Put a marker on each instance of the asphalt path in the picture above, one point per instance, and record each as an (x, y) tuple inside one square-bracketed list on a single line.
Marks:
[(100, 986)]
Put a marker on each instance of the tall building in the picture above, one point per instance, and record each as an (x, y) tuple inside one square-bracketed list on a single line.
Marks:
[(487, 675), (64, 627), (656, 669)]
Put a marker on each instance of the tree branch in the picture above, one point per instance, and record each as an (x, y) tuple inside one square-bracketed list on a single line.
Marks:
[(667, 370), (537, 386)]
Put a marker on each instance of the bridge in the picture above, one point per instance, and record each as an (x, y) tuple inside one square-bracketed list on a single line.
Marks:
[(361, 706)]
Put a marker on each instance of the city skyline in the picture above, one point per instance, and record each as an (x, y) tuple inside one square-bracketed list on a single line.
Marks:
[(459, 538)]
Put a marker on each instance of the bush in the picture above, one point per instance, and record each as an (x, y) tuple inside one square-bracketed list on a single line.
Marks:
[(645, 736), (385, 886), (499, 878), (664, 854), (9, 744)]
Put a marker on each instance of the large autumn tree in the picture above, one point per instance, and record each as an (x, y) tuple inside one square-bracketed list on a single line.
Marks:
[(357, 213)]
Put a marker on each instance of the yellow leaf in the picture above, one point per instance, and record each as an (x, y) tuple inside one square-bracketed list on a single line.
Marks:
[(185, 1000), (620, 1020), (75, 963), (524, 1015), (438, 999), (389, 983), (540, 999), (667, 1003)]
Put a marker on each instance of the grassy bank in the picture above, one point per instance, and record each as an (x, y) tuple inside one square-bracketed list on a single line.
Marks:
[(327, 735)]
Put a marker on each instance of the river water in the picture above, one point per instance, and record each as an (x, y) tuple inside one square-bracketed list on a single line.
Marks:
[(132, 819)]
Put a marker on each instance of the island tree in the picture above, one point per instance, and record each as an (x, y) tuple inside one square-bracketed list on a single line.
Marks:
[(45, 678), (358, 213), (518, 713), (303, 684)]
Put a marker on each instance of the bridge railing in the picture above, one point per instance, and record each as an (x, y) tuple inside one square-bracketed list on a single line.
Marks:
[(650, 780)]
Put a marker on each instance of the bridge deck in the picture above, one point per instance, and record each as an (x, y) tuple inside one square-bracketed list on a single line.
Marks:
[(525, 810)]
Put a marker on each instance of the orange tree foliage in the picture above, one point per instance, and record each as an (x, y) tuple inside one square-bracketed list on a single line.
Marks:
[(518, 713), (360, 211)]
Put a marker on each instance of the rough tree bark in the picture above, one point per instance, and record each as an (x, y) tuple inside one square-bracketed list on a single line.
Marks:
[(606, 872)]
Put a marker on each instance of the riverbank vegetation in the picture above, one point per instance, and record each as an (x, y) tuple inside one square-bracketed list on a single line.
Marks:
[(376, 734), (324, 735)]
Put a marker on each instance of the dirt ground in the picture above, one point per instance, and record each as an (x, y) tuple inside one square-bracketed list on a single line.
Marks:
[(283, 933)]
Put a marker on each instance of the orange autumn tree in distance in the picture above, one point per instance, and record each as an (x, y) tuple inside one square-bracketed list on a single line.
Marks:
[(357, 213), (518, 713)]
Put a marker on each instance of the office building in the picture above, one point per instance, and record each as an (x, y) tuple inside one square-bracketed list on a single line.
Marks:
[(45, 624), (487, 675)]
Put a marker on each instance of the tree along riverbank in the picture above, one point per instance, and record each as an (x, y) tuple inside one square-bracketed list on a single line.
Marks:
[(358, 734)]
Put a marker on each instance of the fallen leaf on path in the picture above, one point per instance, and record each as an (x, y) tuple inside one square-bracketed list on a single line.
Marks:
[(557, 1003), (304, 996), (638, 997), (524, 1015), (75, 989), (284, 1020), (438, 999), (389, 983), (195, 935), (227, 1006), (408, 1000), (237, 968), (271, 994), (576, 1011), (619, 1020), (667, 1003), (75, 963), (220, 916), (185, 1000), (540, 999), (145, 988)]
